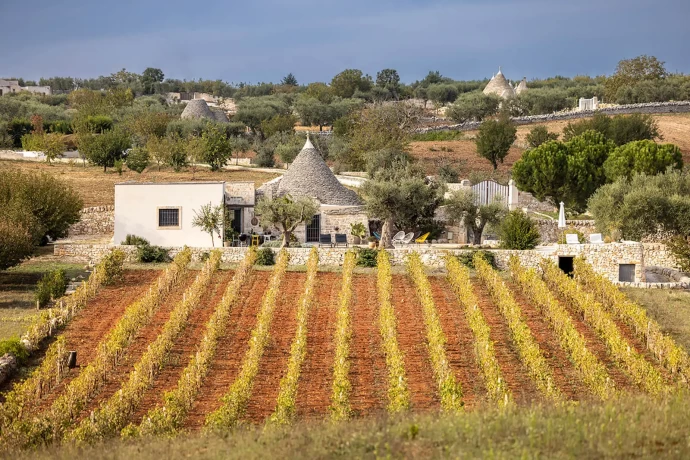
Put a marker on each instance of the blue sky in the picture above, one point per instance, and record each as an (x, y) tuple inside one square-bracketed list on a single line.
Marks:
[(263, 40)]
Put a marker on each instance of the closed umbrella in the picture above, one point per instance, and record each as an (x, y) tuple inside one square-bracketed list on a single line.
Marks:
[(561, 217)]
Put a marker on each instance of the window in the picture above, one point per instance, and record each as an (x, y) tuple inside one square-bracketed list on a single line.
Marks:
[(626, 273), (169, 217)]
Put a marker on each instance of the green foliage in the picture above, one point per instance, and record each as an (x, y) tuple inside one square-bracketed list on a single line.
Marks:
[(218, 148), (494, 140), (289, 80), (621, 129), (252, 112), (540, 135), (467, 257), (18, 128), (539, 101), (97, 124), (265, 256), (679, 247), (51, 287), (632, 71), (389, 79), (437, 136), (186, 128), (517, 231), (210, 219), (103, 149), (448, 174), (442, 93), (643, 206), (133, 240), (571, 231), (461, 208), (348, 81), (642, 157), (147, 253), (285, 213), (281, 123), (151, 78), (388, 161), (16, 238), (367, 257), (358, 229), (14, 347), (474, 106), (138, 159), (60, 127)]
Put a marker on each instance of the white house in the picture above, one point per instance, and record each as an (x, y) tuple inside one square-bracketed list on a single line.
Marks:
[(163, 212)]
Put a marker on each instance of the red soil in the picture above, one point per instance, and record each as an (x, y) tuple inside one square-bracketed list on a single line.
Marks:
[(230, 351), (185, 346), (413, 344), (566, 378), (316, 378), (514, 372), (368, 375), (91, 325), (117, 376), (459, 342), (274, 361)]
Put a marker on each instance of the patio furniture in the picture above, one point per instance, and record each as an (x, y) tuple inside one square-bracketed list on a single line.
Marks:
[(398, 237), (243, 239), (340, 238), (422, 239), (408, 238), (377, 236), (325, 239), (595, 238), (572, 238)]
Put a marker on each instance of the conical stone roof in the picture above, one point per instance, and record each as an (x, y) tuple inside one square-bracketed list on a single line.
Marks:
[(220, 116), (197, 108), (309, 175), (499, 86), (522, 87)]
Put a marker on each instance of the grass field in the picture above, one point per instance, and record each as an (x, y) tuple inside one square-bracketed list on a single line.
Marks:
[(96, 188)]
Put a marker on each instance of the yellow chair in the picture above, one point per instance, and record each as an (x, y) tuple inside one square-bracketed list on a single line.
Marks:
[(422, 239), (255, 240)]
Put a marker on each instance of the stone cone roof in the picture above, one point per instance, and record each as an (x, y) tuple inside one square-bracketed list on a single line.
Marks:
[(499, 86), (522, 87), (220, 116), (309, 175), (197, 108)]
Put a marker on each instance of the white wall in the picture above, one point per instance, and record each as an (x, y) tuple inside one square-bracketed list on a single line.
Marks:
[(136, 211)]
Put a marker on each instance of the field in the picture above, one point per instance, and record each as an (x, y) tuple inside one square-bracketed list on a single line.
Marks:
[(240, 347), (98, 189)]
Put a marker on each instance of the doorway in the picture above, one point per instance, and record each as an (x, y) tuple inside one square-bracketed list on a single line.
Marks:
[(313, 229), (565, 263)]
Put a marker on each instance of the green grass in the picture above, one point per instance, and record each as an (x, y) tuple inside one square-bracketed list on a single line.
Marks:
[(670, 308), (438, 136), (633, 427)]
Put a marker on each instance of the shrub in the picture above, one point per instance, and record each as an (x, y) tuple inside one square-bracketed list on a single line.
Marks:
[(17, 128), (680, 250), (52, 286), (60, 127), (642, 157), (133, 240), (147, 254), (448, 174), (466, 257), (517, 231), (265, 256), (569, 231), (620, 129), (540, 135), (98, 124), (367, 257), (138, 159), (474, 106), (14, 347), (438, 136)]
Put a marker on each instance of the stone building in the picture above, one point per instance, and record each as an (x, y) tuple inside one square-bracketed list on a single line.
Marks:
[(199, 109), (12, 86), (522, 86), (499, 86)]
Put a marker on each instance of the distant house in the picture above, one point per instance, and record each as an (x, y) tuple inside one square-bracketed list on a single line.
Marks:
[(12, 86), (163, 212), (499, 86)]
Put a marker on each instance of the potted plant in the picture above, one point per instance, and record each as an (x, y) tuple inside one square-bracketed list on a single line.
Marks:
[(372, 242), (358, 231)]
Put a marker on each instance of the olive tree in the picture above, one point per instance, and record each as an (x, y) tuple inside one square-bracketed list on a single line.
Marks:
[(494, 140), (461, 207), (285, 213), (210, 219)]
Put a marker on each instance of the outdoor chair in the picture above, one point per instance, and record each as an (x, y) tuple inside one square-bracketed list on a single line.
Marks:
[(325, 239), (377, 236), (243, 239), (398, 237), (572, 238), (595, 238), (408, 238), (340, 238), (422, 239)]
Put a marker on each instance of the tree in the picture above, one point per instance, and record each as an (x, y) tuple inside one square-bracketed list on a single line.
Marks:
[(632, 71), (314, 112), (151, 78), (642, 157), (390, 80), (518, 231), (620, 129), (289, 80), (278, 124), (540, 135), (348, 81), (285, 213), (196, 150), (494, 140), (103, 149), (210, 219), (643, 206), (15, 242), (253, 111), (319, 91), (148, 124), (218, 149), (442, 93), (138, 159), (461, 207), (474, 106)]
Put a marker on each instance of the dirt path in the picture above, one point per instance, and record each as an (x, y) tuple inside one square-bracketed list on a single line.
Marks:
[(566, 378), (231, 350), (316, 378), (139, 345), (274, 361), (459, 342), (514, 372), (186, 345), (368, 374), (412, 342)]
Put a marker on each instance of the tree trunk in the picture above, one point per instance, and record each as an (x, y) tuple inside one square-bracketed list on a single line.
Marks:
[(477, 234), (286, 239), (104, 166), (386, 235), (213, 243)]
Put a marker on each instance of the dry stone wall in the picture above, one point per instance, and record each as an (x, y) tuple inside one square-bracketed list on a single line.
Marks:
[(549, 231), (99, 220)]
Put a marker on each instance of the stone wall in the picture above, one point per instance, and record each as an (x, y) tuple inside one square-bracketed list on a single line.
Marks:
[(549, 231), (656, 255), (99, 220)]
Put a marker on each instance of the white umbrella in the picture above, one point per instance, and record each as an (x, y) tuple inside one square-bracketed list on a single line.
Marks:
[(561, 217)]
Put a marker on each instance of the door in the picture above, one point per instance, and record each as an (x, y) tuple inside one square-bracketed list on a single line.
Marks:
[(626, 273), (237, 220), (313, 229)]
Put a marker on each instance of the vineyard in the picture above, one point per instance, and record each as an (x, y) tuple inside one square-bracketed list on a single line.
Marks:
[(180, 350)]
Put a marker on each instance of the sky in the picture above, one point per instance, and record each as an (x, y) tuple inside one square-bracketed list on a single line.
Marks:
[(263, 40)]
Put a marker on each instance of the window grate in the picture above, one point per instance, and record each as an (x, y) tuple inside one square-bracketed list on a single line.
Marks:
[(168, 217)]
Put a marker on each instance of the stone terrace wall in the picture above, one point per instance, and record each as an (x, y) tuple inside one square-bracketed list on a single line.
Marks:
[(549, 231), (99, 220), (652, 107), (656, 255)]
